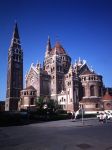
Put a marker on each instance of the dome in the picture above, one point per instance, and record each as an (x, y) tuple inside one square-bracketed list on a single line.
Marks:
[(58, 49)]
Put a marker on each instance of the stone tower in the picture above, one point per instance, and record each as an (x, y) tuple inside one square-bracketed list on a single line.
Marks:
[(14, 72), (57, 64)]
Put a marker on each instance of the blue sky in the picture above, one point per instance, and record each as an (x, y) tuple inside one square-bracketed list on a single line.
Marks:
[(83, 27)]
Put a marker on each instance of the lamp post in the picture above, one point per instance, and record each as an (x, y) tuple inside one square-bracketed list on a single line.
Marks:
[(82, 112)]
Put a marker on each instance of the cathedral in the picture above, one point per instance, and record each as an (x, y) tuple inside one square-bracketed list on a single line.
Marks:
[(62, 81), (73, 86)]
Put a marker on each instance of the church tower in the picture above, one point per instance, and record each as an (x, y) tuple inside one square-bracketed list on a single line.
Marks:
[(14, 72), (56, 64)]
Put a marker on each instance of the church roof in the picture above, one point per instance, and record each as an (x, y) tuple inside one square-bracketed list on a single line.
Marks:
[(30, 88), (90, 100), (86, 72), (107, 96), (58, 49)]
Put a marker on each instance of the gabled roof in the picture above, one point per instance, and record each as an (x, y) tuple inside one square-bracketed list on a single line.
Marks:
[(30, 88), (34, 69), (86, 72)]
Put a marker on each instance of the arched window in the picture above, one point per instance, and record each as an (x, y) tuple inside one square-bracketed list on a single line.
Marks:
[(97, 105), (108, 105), (83, 90), (92, 90), (32, 101), (99, 91)]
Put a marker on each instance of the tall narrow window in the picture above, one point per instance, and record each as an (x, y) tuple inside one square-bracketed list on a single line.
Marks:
[(83, 89), (99, 91), (92, 90), (31, 101)]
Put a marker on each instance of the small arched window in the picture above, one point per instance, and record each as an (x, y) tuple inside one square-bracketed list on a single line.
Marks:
[(32, 101), (99, 91), (83, 89), (92, 93), (108, 105), (97, 105)]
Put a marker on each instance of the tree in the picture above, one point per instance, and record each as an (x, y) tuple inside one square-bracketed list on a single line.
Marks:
[(40, 102), (48, 105)]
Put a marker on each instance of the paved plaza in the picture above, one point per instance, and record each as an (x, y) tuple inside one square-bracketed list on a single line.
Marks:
[(58, 135)]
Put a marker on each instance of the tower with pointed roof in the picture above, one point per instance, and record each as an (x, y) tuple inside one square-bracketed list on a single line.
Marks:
[(14, 72), (48, 47), (56, 63)]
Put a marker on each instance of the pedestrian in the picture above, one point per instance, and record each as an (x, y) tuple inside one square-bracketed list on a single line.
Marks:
[(101, 118), (72, 115)]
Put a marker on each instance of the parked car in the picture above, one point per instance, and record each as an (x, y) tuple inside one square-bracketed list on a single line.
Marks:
[(104, 116), (109, 115)]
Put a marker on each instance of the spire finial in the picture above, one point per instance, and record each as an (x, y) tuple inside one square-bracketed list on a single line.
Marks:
[(15, 21), (57, 43), (79, 59), (91, 68), (48, 38), (15, 32), (57, 38)]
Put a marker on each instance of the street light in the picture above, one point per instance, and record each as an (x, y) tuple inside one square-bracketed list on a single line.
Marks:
[(82, 113)]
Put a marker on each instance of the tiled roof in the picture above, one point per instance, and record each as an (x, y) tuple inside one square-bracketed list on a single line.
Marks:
[(58, 48), (88, 72), (30, 88), (107, 96), (90, 100)]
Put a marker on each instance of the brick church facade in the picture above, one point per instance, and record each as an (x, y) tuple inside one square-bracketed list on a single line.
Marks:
[(71, 85)]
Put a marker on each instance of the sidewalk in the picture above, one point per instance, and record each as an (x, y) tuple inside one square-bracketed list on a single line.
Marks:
[(85, 122), (69, 123)]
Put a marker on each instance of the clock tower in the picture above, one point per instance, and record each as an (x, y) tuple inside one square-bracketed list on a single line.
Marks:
[(14, 72)]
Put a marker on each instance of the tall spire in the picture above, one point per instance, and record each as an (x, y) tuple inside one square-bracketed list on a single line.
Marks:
[(48, 47), (15, 38), (14, 72), (15, 33)]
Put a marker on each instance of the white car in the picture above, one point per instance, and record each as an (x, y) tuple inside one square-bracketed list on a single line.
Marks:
[(104, 115), (109, 116)]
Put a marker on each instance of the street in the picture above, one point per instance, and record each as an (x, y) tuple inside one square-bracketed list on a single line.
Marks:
[(58, 135)]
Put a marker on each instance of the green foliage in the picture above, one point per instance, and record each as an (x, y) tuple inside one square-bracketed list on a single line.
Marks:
[(40, 102), (44, 106), (52, 105)]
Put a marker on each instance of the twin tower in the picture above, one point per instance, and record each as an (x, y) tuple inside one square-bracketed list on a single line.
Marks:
[(15, 70), (69, 85)]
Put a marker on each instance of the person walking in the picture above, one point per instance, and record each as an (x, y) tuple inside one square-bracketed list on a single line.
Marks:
[(73, 116), (101, 118)]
